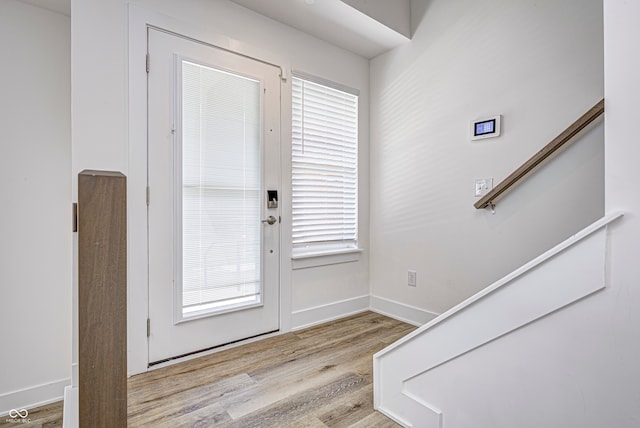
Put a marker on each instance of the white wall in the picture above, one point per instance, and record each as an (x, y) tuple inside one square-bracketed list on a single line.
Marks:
[(539, 64), (35, 268), (622, 149), (577, 367), (100, 48)]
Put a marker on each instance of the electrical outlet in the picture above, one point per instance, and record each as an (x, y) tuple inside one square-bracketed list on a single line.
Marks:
[(483, 185), (412, 278)]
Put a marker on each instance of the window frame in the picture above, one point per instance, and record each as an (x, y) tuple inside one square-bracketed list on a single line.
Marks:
[(317, 254)]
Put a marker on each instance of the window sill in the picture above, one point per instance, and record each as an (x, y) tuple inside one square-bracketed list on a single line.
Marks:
[(325, 258)]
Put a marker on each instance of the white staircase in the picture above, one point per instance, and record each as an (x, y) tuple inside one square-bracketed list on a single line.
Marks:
[(489, 355)]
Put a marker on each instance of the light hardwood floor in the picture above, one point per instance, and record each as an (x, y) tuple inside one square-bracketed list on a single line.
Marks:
[(317, 377)]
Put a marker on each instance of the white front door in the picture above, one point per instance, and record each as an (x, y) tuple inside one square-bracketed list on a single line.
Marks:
[(213, 155)]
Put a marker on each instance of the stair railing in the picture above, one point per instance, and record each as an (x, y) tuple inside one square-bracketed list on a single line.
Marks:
[(565, 137)]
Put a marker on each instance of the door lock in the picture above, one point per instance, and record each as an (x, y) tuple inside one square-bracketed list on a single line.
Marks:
[(272, 199), (270, 220)]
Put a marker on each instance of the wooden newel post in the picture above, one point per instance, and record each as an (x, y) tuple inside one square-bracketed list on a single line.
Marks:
[(102, 299)]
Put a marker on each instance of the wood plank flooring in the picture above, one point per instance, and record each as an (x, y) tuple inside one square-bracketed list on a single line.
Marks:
[(315, 378)]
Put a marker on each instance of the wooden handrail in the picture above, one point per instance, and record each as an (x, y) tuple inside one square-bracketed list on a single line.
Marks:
[(564, 137)]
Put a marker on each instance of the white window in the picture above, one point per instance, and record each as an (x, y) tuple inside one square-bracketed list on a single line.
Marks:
[(324, 168)]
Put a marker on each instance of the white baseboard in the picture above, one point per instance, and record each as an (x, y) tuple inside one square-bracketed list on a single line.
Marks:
[(34, 396), (401, 311), (320, 314)]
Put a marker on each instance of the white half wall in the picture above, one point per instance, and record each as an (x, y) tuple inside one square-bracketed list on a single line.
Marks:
[(35, 267), (500, 358), (539, 64)]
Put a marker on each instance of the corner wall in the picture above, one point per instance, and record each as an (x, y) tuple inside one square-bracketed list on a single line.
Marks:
[(622, 175), (35, 267), (537, 63)]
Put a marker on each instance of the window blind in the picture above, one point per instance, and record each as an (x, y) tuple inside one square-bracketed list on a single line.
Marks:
[(324, 167), (220, 187)]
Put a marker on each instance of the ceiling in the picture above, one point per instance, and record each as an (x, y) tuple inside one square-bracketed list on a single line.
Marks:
[(59, 6), (365, 27)]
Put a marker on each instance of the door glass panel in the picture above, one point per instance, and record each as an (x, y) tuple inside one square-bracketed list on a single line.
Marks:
[(220, 191)]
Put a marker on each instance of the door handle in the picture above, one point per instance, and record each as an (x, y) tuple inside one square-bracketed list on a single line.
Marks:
[(270, 220)]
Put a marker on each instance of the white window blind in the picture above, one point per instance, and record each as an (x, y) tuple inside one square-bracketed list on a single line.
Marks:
[(324, 168), (220, 188)]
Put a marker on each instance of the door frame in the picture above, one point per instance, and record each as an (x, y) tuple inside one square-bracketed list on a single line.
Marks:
[(137, 270)]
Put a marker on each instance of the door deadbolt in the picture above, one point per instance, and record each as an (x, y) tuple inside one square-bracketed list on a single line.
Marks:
[(272, 199)]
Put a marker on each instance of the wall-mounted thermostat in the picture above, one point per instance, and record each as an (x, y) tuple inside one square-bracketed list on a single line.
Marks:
[(485, 128)]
